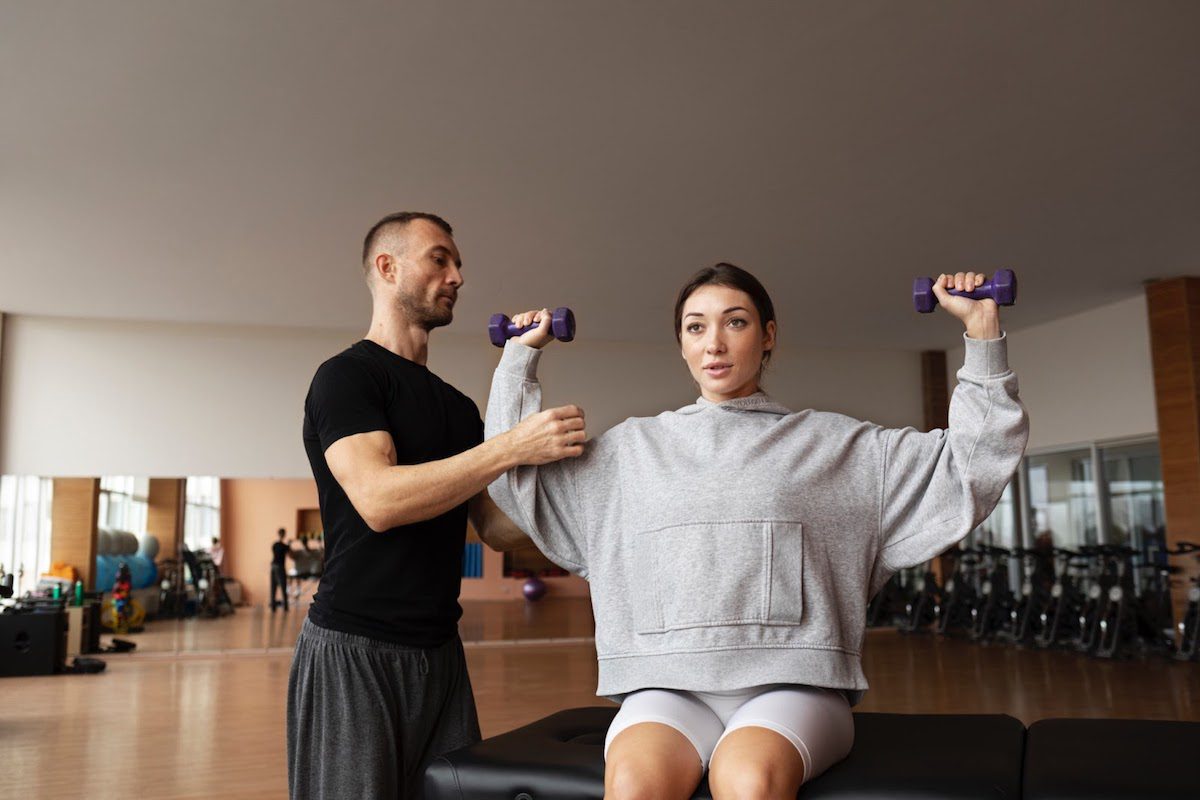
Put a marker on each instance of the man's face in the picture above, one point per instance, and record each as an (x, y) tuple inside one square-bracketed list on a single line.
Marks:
[(428, 274)]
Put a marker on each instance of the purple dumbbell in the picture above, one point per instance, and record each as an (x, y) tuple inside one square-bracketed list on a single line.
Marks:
[(562, 327), (1002, 288)]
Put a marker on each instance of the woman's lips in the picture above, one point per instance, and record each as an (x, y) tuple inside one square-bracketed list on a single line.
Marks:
[(718, 370)]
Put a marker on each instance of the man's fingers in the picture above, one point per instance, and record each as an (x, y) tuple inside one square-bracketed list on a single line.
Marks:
[(565, 412)]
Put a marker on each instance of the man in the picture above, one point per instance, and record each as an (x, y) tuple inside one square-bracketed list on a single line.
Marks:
[(279, 554), (379, 684)]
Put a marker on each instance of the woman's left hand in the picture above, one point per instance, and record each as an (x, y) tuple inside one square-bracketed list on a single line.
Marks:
[(980, 317)]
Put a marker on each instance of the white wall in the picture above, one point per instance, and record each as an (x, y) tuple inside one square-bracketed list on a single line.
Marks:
[(88, 397), (1085, 377)]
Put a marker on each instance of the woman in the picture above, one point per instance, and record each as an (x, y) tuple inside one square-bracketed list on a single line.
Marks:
[(732, 545)]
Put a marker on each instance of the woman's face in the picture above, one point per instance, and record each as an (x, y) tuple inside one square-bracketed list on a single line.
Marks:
[(724, 341)]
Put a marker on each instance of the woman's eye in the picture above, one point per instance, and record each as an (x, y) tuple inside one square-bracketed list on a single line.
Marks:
[(737, 322), (693, 328)]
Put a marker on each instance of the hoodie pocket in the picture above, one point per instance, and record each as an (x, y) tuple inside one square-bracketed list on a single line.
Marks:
[(714, 574)]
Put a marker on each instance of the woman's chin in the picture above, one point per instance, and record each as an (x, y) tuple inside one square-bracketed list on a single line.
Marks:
[(725, 388)]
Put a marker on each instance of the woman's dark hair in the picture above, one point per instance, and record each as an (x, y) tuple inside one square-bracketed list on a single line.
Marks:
[(734, 277)]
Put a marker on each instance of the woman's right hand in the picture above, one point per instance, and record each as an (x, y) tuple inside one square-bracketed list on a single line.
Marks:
[(547, 436), (540, 336)]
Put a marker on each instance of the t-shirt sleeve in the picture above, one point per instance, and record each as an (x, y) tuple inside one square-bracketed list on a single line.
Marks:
[(345, 399)]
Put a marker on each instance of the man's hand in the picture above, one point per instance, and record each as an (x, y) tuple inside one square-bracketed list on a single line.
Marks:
[(547, 436), (980, 317)]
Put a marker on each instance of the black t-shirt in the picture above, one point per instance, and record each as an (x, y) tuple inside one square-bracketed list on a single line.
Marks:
[(400, 585), (279, 552)]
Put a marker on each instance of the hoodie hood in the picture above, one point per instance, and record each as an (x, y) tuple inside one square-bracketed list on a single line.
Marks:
[(759, 401)]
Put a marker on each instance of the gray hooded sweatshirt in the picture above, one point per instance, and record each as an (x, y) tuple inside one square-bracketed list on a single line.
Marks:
[(736, 544)]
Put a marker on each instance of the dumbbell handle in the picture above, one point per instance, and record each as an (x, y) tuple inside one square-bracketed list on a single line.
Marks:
[(981, 292), (513, 331)]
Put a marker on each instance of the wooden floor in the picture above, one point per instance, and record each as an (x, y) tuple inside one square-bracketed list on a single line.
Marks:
[(256, 630), (199, 710)]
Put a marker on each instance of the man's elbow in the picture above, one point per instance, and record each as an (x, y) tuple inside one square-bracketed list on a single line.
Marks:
[(503, 538), (377, 523), (376, 515), (498, 545)]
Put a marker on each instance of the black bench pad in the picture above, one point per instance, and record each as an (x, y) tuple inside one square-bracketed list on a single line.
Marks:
[(1112, 759), (947, 757)]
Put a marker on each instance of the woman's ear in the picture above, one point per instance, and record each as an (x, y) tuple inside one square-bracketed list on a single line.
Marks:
[(769, 337)]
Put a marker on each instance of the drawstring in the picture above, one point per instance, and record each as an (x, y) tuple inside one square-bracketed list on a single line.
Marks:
[(424, 664)]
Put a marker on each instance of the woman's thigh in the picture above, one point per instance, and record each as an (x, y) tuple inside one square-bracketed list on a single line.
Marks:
[(799, 732), (658, 745)]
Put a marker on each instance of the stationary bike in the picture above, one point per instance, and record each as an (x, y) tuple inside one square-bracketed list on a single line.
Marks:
[(1058, 617), (1025, 616), (995, 600), (1117, 624), (959, 595), (919, 612), (1187, 642)]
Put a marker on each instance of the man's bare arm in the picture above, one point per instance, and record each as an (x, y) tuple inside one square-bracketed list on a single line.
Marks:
[(387, 495), (493, 526)]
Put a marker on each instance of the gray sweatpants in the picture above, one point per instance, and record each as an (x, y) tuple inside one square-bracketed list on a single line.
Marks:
[(364, 718)]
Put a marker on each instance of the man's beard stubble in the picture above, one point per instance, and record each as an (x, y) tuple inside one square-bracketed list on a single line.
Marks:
[(427, 315)]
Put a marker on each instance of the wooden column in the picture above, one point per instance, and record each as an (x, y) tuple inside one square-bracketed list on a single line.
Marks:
[(935, 391), (73, 525), (164, 514), (1174, 313)]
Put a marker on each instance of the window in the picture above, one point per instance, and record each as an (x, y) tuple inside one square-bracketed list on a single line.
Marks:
[(25, 503), (1062, 498), (202, 516), (1133, 480), (123, 504), (1000, 528)]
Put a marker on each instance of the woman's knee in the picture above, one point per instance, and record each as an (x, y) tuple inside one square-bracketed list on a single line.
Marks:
[(626, 779), (745, 781), (755, 763)]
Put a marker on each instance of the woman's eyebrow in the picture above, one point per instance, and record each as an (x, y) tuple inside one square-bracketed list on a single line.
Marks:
[(726, 311)]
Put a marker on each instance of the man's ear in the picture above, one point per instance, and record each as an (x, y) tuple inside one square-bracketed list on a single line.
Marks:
[(385, 267)]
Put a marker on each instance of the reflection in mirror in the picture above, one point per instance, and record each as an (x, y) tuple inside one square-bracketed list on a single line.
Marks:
[(198, 565)]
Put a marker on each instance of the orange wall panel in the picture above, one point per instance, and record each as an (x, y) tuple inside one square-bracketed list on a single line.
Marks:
[(252, 510)]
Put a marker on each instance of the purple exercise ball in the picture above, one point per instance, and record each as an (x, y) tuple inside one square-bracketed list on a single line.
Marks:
[(535, 589)]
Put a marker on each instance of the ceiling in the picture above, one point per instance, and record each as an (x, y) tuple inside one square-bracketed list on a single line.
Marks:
[(220, 161)]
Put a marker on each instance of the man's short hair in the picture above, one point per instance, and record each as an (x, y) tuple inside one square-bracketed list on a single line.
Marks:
[(399, 218)]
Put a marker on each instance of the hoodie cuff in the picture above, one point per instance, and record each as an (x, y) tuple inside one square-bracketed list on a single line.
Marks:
[(520, 360), (986, 358)]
